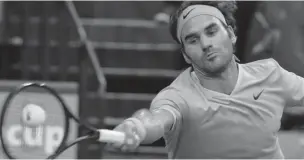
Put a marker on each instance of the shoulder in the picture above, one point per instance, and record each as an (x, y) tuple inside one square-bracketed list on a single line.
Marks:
[(265, 66), (174, 93), (269, 63)]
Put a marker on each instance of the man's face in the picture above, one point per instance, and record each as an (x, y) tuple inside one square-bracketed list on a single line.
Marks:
[(207, 43)]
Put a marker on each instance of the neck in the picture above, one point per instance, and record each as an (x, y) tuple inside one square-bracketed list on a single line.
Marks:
[(223, 82)]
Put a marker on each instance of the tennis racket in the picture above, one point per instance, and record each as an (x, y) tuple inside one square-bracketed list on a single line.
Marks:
[(26, 120)]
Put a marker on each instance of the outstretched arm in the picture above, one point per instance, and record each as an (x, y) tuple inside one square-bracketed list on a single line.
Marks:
[(292, 86), (155, 123), (146, 126)]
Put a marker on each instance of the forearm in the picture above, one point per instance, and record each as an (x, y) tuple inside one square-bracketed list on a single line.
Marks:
[(152, 125)]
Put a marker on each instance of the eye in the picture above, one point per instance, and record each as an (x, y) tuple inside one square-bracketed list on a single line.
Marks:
[(192, 40), (212, 31)]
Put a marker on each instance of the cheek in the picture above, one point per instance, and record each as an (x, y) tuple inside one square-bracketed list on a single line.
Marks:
[(194, 53), (225, 43), (222, 40)]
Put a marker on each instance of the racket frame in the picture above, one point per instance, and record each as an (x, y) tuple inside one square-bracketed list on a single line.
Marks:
[(21, 88)]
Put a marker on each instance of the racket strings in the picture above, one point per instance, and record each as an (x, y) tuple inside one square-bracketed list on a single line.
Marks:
[(78, 140), (31, 136), (20, 135), (48, 133)]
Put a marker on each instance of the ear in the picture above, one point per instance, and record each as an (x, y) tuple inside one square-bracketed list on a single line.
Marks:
[(186, 57), (236, 58), (231, 34)]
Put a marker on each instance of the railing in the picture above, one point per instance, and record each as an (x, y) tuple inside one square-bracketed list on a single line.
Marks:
[(38, 37), (89, 47), (90, 57), (52, 48)]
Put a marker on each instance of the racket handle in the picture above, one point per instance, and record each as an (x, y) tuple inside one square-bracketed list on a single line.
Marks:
[(110, 136)]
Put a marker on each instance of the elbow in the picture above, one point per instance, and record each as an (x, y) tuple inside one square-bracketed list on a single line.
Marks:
[(150, 141), (154, 130)]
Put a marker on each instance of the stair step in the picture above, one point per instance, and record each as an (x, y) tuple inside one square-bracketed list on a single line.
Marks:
[(141, 72), (105, 9), (138, 31), (110, 54), (163, 58), (115, 155), (138, 72), (119, 9), (32, 42), (143, 150), (116, 22), (103, 30), (161, 46), (60, 87), (120, 105), (129, 96), (122, 80)]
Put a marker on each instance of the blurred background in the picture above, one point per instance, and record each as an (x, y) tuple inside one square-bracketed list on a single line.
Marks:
[(134, 52)]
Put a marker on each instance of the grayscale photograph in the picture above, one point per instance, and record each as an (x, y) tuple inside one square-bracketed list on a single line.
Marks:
[(151, 79)]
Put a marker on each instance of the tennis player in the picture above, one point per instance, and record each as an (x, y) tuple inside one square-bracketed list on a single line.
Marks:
[(217, 108)]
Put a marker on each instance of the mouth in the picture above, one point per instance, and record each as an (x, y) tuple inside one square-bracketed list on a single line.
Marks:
[(211, 55)]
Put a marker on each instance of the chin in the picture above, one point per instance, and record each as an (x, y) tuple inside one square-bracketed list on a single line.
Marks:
[(216, 70), (216, 67)]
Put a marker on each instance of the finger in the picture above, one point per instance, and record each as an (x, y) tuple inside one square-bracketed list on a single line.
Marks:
[(111, 147), (122, 128), (115, 145), (132, 142), (137, 140)]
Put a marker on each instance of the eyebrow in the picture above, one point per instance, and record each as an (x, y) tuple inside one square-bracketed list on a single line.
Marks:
[(189, 36), (206, 28), (210, 26)]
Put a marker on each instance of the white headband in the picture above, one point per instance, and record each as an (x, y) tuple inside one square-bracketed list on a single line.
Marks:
[(195, 10)]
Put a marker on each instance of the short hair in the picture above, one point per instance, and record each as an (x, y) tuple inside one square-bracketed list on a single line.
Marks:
[(227, 8)]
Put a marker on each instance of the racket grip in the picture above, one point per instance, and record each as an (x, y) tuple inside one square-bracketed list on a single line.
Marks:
[(110, 136)]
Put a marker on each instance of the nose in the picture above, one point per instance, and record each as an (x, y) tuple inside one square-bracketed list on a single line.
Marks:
[(206, 43), (206, 48)]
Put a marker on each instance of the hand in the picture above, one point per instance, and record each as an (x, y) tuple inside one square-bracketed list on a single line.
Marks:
[(133, 138)]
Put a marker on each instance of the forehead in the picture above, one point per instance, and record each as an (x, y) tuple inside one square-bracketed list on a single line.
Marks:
[(199, 23)]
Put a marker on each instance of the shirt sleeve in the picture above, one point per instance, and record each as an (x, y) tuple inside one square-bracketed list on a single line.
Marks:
[(170, 101), (292, 86)]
